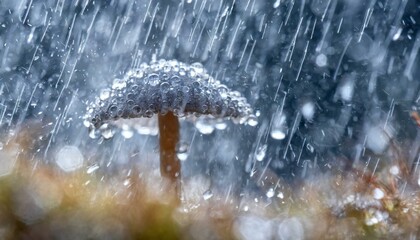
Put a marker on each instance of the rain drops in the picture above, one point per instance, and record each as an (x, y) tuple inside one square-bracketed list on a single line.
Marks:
[(69, 158), (279, 126), (260, 153), (308, 110), (321, 60), (182, 151)]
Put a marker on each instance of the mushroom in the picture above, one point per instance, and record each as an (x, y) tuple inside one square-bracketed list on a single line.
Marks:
[(170, 89)]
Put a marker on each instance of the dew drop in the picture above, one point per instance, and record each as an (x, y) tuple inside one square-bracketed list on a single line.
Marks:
[(104, 94), (164, 87), (153, 79), (119, 84), (175, 80), (223, 91), (198, 67), (148, 114)]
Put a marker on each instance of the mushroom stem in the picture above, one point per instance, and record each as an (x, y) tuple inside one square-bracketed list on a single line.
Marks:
[(170, 167)]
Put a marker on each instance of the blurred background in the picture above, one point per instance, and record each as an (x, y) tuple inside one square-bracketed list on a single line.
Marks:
[(334, 83)]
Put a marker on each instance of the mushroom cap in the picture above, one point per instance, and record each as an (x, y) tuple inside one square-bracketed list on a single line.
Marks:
[(167, 86)]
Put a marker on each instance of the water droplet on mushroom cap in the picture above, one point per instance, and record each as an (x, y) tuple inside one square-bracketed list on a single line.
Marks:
[(168, 86)]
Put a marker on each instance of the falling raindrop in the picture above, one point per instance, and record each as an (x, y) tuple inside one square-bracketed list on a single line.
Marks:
[(394, 170), (207, 194), (346, 90), (182, 151), (127, 133), (270, 193), (92, 169), (321, 60), (260, 153), (378, 193), (278, 127), (252, 121), (69, 158), (377, 139), (7, 160), (220, 125), (310, 147), (308, 110)]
